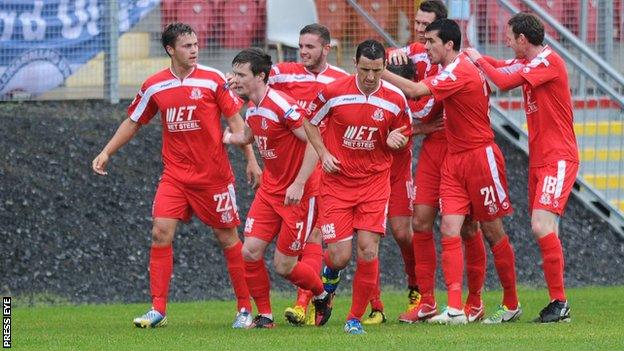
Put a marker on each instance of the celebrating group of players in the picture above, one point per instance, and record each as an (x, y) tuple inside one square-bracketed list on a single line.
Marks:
[(337, 158)]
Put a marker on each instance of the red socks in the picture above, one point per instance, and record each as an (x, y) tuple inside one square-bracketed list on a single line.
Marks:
[(505, 263), (425, 265), (553, 264), (375, 298), (312, 256), (160, 270), (364, 282), (474, 250), (236, 270), (409, 264), (453, 268), (257, 278), (303, 276)]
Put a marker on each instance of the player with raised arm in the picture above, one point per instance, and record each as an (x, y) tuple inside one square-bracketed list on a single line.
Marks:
[(427, 187), (473, 178), (197, 176), (365, 120), (284, 204), (553, 152), (303, 81)]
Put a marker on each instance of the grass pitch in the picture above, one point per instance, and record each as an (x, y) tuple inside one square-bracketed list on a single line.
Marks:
[(596, 325)]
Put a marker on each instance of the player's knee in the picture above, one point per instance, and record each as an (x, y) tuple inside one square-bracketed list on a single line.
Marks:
[(161, 235), (367, 254), (339, 259), (251, 254), (420, 224), (283, 267), (540, 228)]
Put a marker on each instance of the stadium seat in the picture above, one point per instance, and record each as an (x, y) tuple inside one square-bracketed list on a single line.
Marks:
[(240, 21), (284, 22), (197, 13)]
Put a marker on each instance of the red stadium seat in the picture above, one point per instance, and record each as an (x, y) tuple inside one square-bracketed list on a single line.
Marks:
[(197, 13), (240, 22), (334, 15)]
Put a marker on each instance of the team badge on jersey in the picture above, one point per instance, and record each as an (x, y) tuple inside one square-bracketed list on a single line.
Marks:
[(264, 125), (545, 199), (295, 246), (196, 94), (378, 115), (492, 209)]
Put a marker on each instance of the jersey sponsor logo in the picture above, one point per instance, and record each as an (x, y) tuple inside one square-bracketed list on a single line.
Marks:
[(378, 115), (265, 152), (328, 231), (180, 119), (531, 104), (196, 94), (165, 85), (311, 107), (359, 137), (249, 224), (303, 104)]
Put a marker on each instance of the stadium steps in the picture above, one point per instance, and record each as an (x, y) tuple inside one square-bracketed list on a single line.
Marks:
[(135, 64)]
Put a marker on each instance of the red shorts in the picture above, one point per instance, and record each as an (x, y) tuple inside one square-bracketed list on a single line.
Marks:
[(428, 168), (550, 186), (362, 204), (474, 183), (268, 217), (401, 185), (215, 206)]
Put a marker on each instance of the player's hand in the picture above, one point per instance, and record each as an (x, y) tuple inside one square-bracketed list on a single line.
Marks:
[(398, 57), (396, 139), (428, 128), (229, 79), (294, 193), (473, 54), (254, 174), (330, 163), (99, 164)]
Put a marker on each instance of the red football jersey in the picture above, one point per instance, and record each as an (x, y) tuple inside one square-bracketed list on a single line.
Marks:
[(272, 122), (549, 113), (464, 92), (295, 80), (190, 112), (358, 125)]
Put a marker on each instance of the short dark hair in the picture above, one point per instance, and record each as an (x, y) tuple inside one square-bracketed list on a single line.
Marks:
[(317, 29), (448, 30), (527, 24), (259, 61), (435, 6), (172, 32), (371, 49), (405, 70)]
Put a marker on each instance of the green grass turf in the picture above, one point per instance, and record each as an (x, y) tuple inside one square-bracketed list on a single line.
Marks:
[(596, 325)]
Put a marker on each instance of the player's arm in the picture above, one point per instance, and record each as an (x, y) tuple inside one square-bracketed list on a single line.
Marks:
[(328, 161), (294, 193), (503, 77), (238, 133), (409, 88), (126, 131), (428, 127)]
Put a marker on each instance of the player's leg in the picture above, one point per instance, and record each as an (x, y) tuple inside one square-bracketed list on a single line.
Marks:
[(216, 207), (490, 203), (364, 280), (453, 269), (474, 250), (170, 205), (161, 268), (425, 261), (549, 189)]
